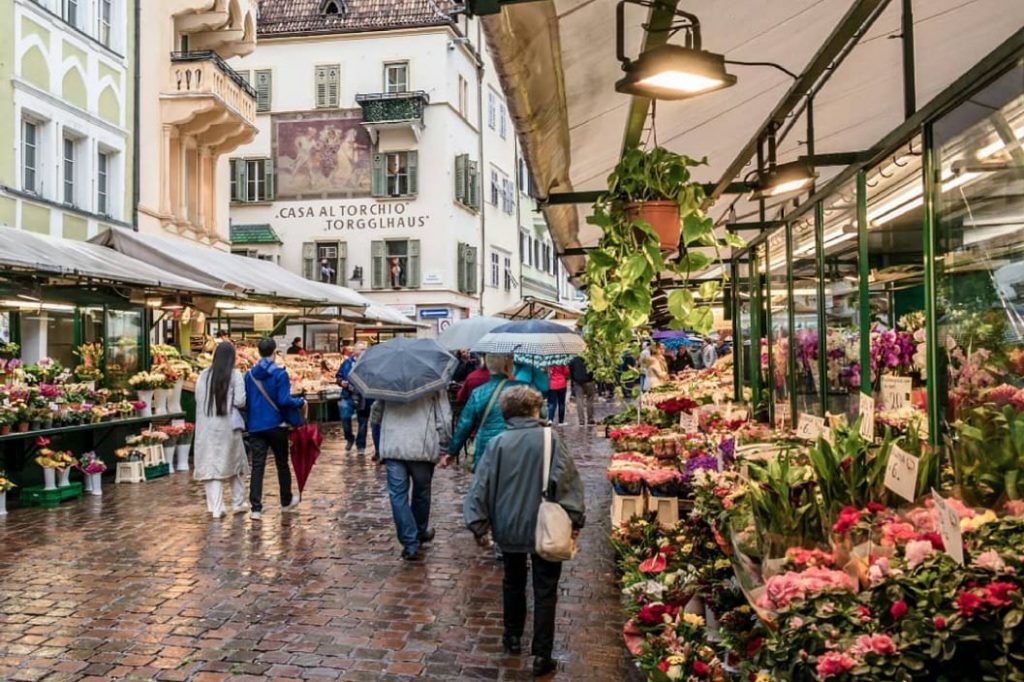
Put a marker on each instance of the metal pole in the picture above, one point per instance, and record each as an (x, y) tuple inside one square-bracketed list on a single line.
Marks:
[(737, 335), (864, 268), (810, 135), (791, 315), (769, 329), (930, 171), (819, 238), (909, 78), (755, 329)]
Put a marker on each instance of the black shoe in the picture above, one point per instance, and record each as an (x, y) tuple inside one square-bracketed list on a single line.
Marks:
[(513, 645), (415, 556), (542, 666), (427, 536)]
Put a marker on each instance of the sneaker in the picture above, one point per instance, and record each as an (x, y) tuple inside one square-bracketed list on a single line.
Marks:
[(563, 423), (542, 666), (255, 516), (427, 536), (241, 508), (412, 556), (292, 506), (361, 453)]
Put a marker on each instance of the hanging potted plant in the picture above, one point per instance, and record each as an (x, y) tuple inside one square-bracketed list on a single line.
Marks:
[(631, 256)]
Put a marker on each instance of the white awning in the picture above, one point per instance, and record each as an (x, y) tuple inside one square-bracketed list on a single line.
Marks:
[(32, 252), (533, 308)]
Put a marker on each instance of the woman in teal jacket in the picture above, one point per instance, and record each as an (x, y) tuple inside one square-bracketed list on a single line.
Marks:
[(473, 417)]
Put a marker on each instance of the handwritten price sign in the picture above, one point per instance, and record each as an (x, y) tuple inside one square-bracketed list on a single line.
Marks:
[(867, 417), (809, 427), (949, 528), (901, 473), (783, 415), (896, 392), (688, 421)]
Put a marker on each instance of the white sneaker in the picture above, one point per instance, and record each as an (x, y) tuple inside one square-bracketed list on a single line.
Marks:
[(256, 516), (241, 508), (292, 506), (217, 516)]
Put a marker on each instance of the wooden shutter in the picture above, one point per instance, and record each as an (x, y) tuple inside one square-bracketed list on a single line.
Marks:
[(327, 86), (342, 279), (413, 279), (461, 193), (334, 86), (238, 180), (471, 270), (264, 88), (412, 168), (473, 184), (378, 178), (320, 84), (309, 260), (460, 261), (268, 179), (377, 257)]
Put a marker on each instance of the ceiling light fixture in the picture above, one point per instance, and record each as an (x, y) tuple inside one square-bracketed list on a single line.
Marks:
[(670, 72), (784, 179)]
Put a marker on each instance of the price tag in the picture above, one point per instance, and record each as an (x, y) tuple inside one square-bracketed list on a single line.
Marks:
[(867, 417), (809, 427), (949, 528), (783, 415), (901, 473), (896, 392), (689, 422), (177, 422)]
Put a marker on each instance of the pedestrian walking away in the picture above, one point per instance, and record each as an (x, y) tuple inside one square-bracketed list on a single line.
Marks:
[(219, 451), (352, 404), (412, 438), (270, 410), (583, 388), (482, 413), (558, 383), (504, 499)]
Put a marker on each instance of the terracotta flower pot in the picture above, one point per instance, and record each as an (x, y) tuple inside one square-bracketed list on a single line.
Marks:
[(663, 217), (22, 427), (5, 429)]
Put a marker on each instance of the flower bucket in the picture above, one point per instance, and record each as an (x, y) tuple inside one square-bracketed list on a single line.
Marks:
[(87, 482), (65, 478), (662, 216), (49, 479), (628, 489), (3, 503), (146, 396), (160, 401), (96, 484), (169, 456), (174, 399), (182, 451)]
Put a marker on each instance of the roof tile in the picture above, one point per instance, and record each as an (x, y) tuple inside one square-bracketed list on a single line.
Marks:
[(284, 17), (254, 234)]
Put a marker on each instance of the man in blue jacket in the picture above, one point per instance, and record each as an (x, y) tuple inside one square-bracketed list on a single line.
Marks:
[(352, 404), (268, 397)]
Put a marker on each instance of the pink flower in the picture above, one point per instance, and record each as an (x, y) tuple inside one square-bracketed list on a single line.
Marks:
[(877, 644), (898, 533), (656, 564), (990, 561), (898, 609), (1014, 508), (784, 588), (917, 551), (835, 663)]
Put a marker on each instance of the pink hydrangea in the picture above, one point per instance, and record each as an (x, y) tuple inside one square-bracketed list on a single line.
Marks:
[(835, 663)]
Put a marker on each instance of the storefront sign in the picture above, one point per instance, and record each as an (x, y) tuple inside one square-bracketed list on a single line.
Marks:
[(433, 313), (901, 473), (383, 215)]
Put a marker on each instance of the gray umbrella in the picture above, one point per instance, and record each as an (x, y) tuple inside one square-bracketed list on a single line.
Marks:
[(403, 370), (465, 333)]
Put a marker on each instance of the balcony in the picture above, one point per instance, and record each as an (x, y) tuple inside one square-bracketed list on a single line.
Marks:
[(225, 26), (391, 110), (207, 99)]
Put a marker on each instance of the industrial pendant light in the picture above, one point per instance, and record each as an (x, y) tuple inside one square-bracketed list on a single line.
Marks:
[(783, 179), (670, 71)]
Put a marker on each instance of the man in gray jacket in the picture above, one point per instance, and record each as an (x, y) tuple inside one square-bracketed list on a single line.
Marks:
[(504, 498)]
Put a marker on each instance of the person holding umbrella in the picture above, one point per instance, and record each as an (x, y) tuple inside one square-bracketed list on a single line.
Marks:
[(410, 377)]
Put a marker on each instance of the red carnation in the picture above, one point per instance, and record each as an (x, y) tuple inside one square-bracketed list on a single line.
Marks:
[(968, 604), (898, 609)]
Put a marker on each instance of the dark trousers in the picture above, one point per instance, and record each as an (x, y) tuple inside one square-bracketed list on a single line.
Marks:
[(556, 403), (276, 440), (545, 598)]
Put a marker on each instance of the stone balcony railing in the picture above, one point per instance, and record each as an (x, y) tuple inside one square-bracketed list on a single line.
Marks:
[(205, 73), (393, 107)]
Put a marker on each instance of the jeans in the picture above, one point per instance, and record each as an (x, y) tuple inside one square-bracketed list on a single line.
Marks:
[(556, 403), (411, 521), (585, 401), (348, 410), (545, 598), (276, 440)]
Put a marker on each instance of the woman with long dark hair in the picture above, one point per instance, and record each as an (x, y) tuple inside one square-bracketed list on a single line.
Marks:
[(219, 451)]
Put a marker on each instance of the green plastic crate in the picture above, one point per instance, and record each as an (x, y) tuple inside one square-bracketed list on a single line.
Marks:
[(157, 471), (38, 497)]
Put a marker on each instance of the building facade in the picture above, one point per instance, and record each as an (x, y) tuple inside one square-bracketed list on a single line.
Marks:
[(194, 111), (385, 158), (66, 110)]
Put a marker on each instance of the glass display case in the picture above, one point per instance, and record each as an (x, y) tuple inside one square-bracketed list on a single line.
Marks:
[(122, 344)]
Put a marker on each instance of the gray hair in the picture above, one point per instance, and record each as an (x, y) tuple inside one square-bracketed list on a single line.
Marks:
[(520, 401), (498, 363)]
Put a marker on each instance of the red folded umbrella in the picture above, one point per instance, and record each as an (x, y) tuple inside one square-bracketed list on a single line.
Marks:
[(305, 441)]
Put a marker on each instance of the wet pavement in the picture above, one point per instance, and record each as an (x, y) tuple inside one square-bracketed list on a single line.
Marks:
[(141, 584)]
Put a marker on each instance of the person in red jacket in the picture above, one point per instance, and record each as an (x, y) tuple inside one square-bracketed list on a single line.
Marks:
[(558, 381)]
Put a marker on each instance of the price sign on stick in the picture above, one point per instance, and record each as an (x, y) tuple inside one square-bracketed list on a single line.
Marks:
[(896, 392), (809, 427), (688, 421), (782, 415), (949, 528), (867, 417), (901, 473)]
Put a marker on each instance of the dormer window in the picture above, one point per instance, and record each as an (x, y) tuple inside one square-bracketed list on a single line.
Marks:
[(333, 8)]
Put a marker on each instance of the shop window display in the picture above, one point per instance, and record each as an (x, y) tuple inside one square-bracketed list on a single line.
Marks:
[(123, 339)]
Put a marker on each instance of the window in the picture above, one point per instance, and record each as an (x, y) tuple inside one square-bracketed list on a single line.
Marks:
[(463, 97), (536, 253), (253, 253), (252, 180), (396, 264), (105, 11), (508, 273), (334, 8), (494, 187), (467, 268), (103, 183), (524, 248), (69, 11), (328, 86), (503, 122), (492, 102), (264, 88), (525, 187), (508, 199), (396, 77), (325, 262), (395, 174), (29, 154), (467, 182), (495, 258), (69, 170)]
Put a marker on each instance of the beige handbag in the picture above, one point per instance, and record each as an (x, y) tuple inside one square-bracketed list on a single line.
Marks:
[(554, 527)]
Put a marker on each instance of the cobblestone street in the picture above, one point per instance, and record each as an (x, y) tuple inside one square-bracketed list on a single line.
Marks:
[(142, 584)]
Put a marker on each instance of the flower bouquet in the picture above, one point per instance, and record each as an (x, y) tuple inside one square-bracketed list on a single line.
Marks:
[(626, 481), (90, 464), (129, 453), (187, 431), (663, 482), (147, 381), (9, 350), (633, 437), (6, 483)]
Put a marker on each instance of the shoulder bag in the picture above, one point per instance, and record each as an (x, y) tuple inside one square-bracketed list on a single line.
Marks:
[(554, 540), (292, 418), (483, 420)]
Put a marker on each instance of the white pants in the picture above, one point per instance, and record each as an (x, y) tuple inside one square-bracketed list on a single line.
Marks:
[(215, 494)]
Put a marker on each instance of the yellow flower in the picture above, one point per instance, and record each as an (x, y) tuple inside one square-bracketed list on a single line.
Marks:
[(687, 548), (693, 619), (676, 659), (763, 677), (968, 525)]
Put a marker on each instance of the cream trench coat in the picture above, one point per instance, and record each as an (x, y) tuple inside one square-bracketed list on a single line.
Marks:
[(219, 451)]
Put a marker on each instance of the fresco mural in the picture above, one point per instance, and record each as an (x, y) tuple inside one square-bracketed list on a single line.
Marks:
[(321, 154)]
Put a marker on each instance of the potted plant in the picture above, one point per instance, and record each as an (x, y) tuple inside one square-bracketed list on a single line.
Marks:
[(6, 421), (5, 485), (92, 467), (9, 350), (184, 445)]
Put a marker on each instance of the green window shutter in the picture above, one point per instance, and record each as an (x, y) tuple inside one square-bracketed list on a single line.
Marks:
[(413, 280), (334, 86), (320, 84), (412, 166), (309, 260), (460, 260), (378, 179), (264, 88), (377, 264), (461, 195), (327, 86), (343, 264), (473, 185), (471, 274), (237, 180), (268, 179)]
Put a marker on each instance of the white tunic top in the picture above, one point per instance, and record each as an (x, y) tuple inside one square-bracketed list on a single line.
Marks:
[(219, 450)]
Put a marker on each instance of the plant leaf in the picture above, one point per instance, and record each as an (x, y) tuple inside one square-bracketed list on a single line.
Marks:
[(680, 303)]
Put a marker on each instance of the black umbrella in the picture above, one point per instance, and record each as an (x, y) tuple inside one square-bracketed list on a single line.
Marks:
[(403, 370)]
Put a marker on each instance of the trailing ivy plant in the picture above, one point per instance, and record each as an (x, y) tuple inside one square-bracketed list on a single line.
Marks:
[(628, 259)]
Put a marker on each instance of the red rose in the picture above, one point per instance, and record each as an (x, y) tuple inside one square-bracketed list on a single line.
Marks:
[(939, 622), (663, 666), (898, 609), (700, 668)]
